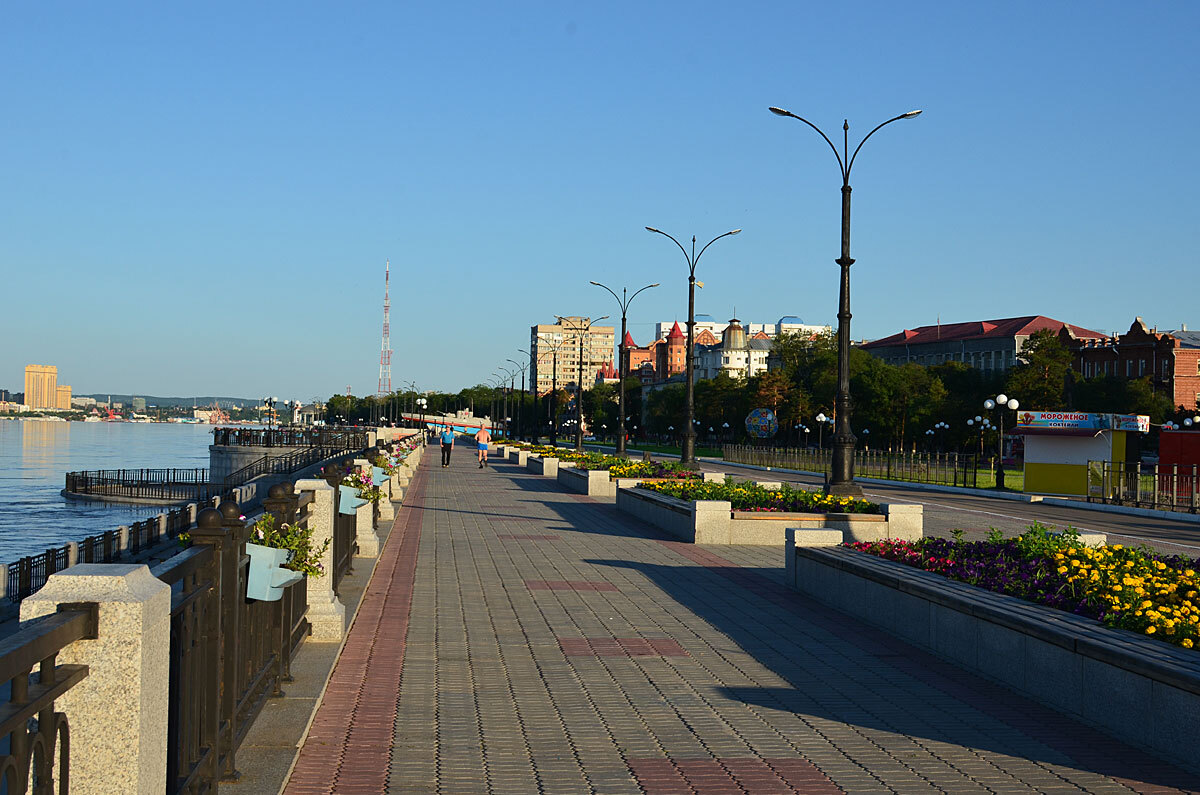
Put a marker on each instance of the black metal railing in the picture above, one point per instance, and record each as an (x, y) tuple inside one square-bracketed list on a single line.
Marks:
[(30, 573), (193, 683), (167, 485), (1163, 488), (948, 469), (282, 465), (290, 437), (39, 751)]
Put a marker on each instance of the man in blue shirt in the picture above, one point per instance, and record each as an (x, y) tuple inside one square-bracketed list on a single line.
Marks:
[(447, 445)]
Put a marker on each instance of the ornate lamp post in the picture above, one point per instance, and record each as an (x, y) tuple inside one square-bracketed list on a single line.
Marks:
[(1001, 403), (623, 300), (269, 404), (522, 368), (688, 443), (582, 328), (554, 388), (841, 480)]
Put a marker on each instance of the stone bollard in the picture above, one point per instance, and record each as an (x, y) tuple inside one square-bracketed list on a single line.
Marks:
[(387, 513), (326, 613), (364, 529), (118, 713)]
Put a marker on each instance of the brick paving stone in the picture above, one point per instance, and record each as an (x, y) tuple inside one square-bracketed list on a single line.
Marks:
[(616, 660)]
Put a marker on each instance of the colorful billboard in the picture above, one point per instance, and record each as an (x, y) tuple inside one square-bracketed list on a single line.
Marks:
[(1083, 421)]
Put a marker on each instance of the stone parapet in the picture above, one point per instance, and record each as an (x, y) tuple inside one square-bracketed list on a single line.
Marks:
[(118, 713)]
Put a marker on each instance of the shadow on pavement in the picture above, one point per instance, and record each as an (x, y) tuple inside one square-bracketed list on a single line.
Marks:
[(843, 670)]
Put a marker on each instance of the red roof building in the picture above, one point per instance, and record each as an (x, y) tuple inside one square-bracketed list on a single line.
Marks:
[(986, 344), (1170, 359)]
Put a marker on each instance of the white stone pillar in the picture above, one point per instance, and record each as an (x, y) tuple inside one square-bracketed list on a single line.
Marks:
[(118, 713), (387, 513), (364, 529), (326, 612)]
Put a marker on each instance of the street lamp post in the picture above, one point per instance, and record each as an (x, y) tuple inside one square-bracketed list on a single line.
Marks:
[(581, 329), (687, 450), (523, 368), (270, 402), (623, 301), (1000, 403), (553, 402), (841, 481)]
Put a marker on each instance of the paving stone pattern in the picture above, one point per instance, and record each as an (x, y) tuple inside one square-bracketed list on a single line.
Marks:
[(556, 646)]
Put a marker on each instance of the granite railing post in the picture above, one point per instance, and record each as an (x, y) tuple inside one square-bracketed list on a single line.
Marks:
[(326, 613), (221, 529), (118, 713)]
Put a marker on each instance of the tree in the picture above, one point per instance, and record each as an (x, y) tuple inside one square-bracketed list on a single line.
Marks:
[(1039, 379)]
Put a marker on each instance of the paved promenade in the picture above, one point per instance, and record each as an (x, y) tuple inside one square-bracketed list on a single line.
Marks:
[(520, 639)]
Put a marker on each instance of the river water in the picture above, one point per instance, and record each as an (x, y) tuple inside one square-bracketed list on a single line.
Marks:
[(35, 456)]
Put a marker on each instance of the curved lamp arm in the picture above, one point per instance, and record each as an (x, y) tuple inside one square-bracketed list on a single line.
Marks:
[(910, 115), (841, 166)]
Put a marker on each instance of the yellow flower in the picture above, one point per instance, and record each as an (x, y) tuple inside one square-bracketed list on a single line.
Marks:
[(1151, 630)]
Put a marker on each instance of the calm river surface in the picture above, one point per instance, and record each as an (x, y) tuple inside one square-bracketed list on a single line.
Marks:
[(34, 457)]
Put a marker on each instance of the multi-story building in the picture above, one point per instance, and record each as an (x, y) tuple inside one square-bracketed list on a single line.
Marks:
[(62, 398), (1170, 359), (737, 353), (786, 324), (565, 338), (986, 344), (41, 386)]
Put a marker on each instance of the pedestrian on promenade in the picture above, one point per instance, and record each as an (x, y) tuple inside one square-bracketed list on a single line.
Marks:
[(447, 445), (481, 441)]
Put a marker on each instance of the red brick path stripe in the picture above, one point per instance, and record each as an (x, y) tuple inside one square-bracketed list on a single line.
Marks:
[(1090, 748), (704, 775), (569, 585), (349, 747), (621, 647)]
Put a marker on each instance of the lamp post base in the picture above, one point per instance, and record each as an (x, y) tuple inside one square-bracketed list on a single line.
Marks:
[(851, 489)]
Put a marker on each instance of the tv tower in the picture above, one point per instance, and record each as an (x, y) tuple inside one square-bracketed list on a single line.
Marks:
[(385, 351)]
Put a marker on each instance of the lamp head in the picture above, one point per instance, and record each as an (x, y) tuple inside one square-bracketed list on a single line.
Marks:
[(736, 232), (779, 111), (652, 229), (656, 284), (912, 114)]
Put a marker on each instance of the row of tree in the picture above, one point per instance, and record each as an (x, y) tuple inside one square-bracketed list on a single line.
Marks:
[(894, 404)]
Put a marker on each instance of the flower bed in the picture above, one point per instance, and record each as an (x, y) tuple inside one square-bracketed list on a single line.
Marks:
[(748, 496), (1126, 588)]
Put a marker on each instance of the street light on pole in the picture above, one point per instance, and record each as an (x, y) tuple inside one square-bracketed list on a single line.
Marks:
[(553, 407), (1000, 403), (623, 301), (523, 368), (687, 449), (585, 325), (841, 480)]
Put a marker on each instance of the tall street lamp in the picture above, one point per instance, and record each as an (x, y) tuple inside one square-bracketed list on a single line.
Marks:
[(1001, 403), (623, 301), (841, 480), (553, 346), (522, 368), (584, 326), (687, 457)]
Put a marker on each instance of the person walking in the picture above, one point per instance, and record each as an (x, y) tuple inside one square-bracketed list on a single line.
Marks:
[(447, 444), (482, 437)]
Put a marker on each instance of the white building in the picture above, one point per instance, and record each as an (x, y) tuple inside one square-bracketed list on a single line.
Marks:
[(738, 354), (788, 323)]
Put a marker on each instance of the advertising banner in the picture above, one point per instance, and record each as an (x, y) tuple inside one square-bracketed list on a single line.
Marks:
[(1131, 422), (1072, 420)]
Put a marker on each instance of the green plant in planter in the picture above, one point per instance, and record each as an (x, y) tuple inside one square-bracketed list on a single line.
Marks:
[(305, 557)]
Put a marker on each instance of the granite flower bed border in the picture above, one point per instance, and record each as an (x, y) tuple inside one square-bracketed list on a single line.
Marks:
[(715, 522), (1138, 689), (599, 483)]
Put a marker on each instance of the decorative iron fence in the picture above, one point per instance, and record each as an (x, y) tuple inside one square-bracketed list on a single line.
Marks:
[(38, 752), (947, 469), (1163, 488), (290, 437), (30, 573), (168, 485)]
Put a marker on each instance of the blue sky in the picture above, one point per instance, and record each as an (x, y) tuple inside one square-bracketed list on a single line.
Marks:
[(198, 198)]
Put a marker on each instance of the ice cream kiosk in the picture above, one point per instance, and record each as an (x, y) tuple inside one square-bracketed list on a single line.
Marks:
[(1059, 445)]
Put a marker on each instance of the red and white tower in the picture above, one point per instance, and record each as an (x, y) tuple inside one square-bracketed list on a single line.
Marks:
[(385, 350)]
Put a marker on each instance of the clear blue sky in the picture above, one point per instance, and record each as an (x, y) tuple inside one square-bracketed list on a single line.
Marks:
[(198, 198)]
